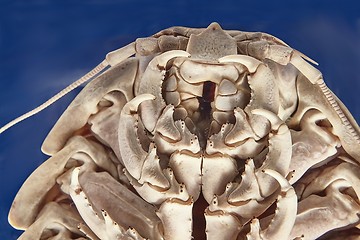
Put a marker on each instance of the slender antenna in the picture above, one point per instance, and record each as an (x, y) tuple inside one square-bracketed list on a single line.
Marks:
[(59, 95), (112, 58)]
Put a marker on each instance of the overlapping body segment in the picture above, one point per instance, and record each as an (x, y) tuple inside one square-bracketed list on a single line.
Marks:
[(237, 122)]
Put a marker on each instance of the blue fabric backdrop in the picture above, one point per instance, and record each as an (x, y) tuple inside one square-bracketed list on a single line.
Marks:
[(45, 45)]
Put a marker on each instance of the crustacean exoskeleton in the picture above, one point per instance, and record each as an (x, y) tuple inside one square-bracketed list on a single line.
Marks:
[(202, 133)]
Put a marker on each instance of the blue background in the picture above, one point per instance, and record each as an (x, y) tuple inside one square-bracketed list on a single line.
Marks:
[(46, 45)]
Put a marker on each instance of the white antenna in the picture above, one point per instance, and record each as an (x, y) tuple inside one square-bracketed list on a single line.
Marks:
[(59, 95), (112, 58)]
